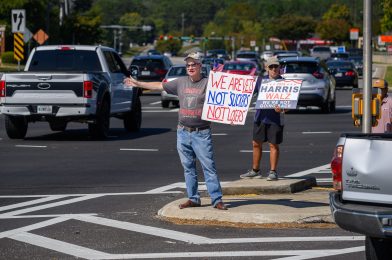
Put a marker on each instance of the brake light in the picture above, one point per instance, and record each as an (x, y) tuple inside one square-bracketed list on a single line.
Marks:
[(336, 167), (160, 71), (2, 88), (87, 89), (65, 48), (349, 73), (318, 75), (164, 80)]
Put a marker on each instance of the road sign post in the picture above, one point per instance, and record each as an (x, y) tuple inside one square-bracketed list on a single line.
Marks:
[(18, 47)]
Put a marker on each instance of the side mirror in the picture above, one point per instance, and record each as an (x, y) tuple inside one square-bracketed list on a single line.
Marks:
[(134, 71)]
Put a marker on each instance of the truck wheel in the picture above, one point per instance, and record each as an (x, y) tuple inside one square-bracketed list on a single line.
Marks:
[(377, 248), (133, 119), (16, 126), (100, 129), (58, 125)]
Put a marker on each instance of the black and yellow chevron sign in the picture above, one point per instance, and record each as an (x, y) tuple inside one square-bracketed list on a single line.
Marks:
[(18, 46)]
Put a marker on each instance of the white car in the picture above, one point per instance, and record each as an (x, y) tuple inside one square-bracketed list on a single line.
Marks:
[(173, 73)]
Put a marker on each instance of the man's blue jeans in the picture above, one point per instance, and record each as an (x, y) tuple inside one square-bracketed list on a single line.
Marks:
[(198, 144)]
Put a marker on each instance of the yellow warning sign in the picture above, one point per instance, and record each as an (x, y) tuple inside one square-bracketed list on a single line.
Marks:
[(18, 46)]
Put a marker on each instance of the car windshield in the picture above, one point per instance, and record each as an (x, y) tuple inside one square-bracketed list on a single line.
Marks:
[(339, 55), (177, 72), (341, 65), (322, 49), (238, 66), (300, 67), (65, 60), (246, 56), (180, 71), (148, 63)]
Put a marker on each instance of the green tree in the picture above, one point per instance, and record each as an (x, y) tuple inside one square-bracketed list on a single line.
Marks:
[(335, 24), (294, 27), (386, 20)]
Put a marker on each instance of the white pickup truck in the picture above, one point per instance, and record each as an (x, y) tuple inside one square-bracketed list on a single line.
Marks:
[(75, 83), (362, 177)]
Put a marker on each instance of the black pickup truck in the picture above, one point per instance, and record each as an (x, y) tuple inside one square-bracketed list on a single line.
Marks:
[(75, 83)]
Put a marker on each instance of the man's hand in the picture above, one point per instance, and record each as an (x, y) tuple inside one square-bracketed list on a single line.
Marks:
[(131, 82), (278, 109)]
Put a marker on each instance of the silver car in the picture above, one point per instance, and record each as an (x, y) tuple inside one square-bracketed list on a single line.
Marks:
[(173, 73), (318, 86)]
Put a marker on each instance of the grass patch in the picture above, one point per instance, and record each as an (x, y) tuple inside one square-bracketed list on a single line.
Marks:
[(388, 75), (7, 67)]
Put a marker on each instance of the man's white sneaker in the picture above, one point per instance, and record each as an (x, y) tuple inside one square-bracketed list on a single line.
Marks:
[(251, 174), (272, 176)]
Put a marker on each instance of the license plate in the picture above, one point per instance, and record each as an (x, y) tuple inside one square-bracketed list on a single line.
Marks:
[(338, 74), (145, 73), (44, 109)]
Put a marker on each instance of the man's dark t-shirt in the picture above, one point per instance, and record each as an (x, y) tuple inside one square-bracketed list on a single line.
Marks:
[(191, 96)]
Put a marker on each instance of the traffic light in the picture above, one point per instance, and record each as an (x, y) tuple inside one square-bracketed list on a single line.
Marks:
[(170, 37), (161, 37)]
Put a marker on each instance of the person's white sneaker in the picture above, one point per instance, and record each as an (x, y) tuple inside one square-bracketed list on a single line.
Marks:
[(251, 174), (272, 176)]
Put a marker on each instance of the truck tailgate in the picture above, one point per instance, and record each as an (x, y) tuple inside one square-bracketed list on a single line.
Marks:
[(367, 170), (41, 88)]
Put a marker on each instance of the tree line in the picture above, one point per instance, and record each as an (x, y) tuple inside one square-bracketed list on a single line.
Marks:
[(246, 20)]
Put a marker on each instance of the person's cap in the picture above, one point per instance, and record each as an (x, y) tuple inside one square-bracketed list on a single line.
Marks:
[(272, 61), (195, 56), (379, 83)]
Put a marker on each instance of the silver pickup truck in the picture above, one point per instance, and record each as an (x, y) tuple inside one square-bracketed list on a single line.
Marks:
[(362, 177), (76, 83)]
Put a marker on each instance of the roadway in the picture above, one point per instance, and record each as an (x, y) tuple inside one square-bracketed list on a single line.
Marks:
[(63, 195)]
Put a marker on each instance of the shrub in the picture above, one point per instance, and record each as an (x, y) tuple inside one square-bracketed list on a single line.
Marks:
[(8, 57)]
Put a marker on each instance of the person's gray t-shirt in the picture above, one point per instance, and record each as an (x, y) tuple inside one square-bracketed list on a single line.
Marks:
[(191, 96)]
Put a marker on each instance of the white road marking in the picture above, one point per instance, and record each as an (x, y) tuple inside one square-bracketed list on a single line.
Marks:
[(59, 246), (325, 132), (139, 150), (156, 103), (87, 194), (38, 225), (154, 231), (22, 234), (219, 134), (344, 106), (31, 202), (310, 171), (30, 146), (51, 205), (324, 180)]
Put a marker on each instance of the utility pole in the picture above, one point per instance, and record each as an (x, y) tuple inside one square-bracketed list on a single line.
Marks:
[(367, 66), (182, 23)]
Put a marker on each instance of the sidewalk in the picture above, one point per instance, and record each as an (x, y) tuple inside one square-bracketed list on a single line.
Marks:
[(259, 202)]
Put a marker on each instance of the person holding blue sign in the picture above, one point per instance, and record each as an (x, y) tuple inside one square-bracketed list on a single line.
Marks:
[(193, 134), (267, 127)]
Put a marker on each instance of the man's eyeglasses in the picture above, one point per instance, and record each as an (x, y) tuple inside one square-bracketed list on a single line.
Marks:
[(273, 66), (191, 65)]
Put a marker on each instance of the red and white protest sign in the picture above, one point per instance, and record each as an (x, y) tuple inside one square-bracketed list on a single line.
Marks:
[(228, 97)]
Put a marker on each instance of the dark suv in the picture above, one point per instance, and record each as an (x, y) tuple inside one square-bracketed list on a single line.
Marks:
[(152, 67)]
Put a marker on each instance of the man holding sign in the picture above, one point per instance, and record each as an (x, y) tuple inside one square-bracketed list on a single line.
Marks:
[(193, 134), (267, 127)]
